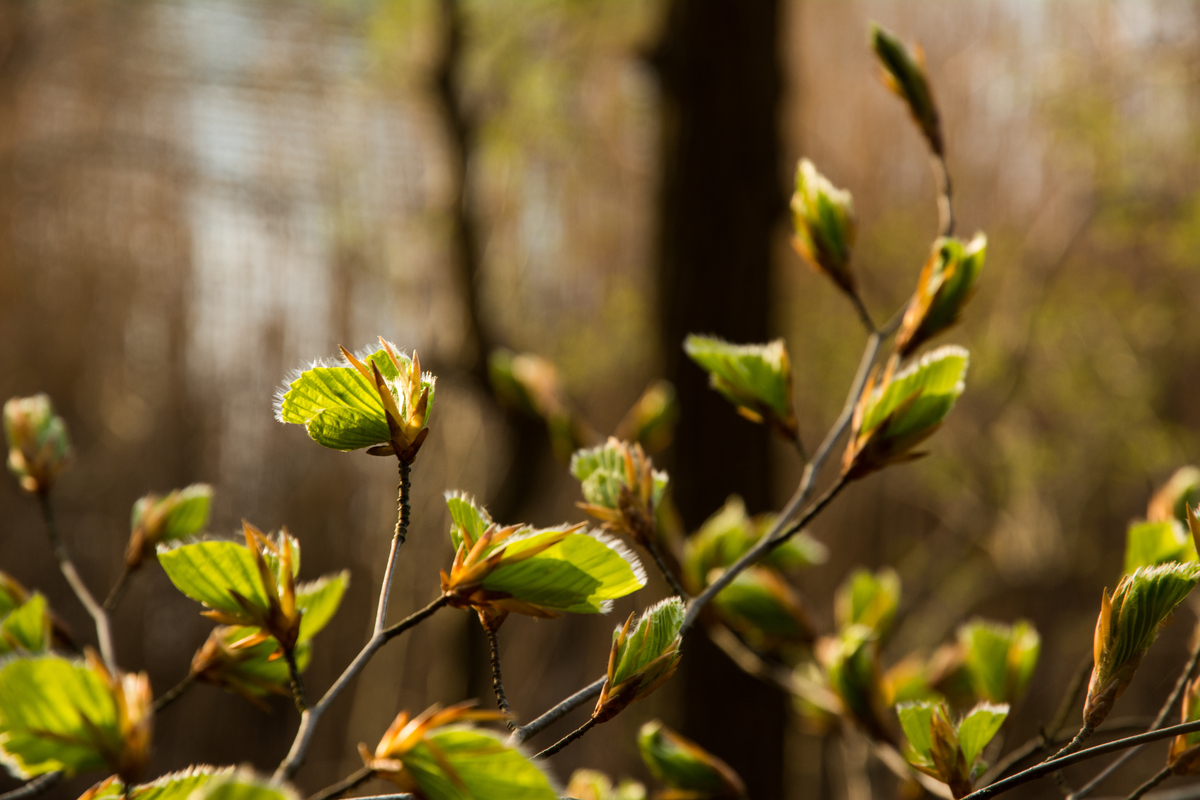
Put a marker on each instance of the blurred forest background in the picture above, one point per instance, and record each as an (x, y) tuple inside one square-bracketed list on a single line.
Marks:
[(197, 196)]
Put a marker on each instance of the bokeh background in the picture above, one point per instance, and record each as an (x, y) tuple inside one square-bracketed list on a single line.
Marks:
[(197, 196)]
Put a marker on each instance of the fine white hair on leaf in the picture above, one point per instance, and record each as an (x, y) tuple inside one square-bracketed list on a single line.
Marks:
[(623, 550)]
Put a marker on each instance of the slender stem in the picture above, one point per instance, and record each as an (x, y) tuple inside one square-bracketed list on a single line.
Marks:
[(173, 694), (34, 787), (1057, 763), (118, 590), (1150, 784), (497, 680), (589, 692), (1163, 713), (566, 740), (103, 632), (798, 443), (665, 569), (1073, 746), (401, 533), (945, 195), (298, 691), (863, 315), (343, 786), (309, 719)]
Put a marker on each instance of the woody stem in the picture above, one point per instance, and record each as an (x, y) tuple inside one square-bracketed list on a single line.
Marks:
[(665, 569), (301, 697), (174, 693), (566, 740), (398, 537), (497, 680)]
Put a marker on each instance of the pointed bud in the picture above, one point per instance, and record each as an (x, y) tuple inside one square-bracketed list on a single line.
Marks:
[(903, 71), (756, 378), (946, 283), (621, 487), (688, 769), (823, 221), (851, 664), (642, 658), (38, 446)]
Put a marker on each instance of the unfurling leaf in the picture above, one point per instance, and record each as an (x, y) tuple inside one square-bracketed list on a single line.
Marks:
[(765, 609), (946, 283), (684, 766), (756, 378), (621, 487), (238, 660), (73, 716), (851, 664), (903, 72), (1127, 626), (643, 657), (530, 384), (196, 783), (1179, 493), (730, 533), (438, 758), (824, 226), (537, 572), (589, 784), (999, 659), (26, 629), (1148, 544), (868, 599), (892, 419), (651, 420), (380, 400), (943, 750), (38, 446), (182, 513)]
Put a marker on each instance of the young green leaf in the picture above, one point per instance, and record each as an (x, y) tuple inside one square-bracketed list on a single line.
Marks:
[(999, 659), (1176, 496), (378, 400), (946, 283), (892, 419), (38, 445), (319, 600), (1148, 544), (851, 664), (173, 786), (756, 378), (764, 608), (868, 599), (916, 720), (650, 422), (589, 784), (602, 472), (1127, 626), (468, 520), (642, 658), (182, 513), (978, 728), (824, 226), (26, 630), (234, 660), (213, 572), (688, 769), (730, 533)]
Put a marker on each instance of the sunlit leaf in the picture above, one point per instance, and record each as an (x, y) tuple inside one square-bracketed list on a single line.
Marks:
[(319, 600), (602, 473), (1150, 543), (656, 630), (26, 629), (756, 378), (866, 598), (977, 729), (685, 766), (482, 766)]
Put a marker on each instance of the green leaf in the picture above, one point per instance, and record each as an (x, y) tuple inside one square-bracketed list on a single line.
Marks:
[(243, 785), (340, 408), (1140, 604), (55, 715), (12, 593), (466, 516), (173, 786), (319, 600), (851, 667), (27, 629), (590, 784), (977, 729), (189, 514), (916, 720), (683, 765), (582, 574), (936, 381), (728, 534), (1151, 543), (484, 765), (210, 572), (1174, 498), (823, 221), (601, 471), (255, 672), (756, 377), (763, 607), (868, 599), (655, 631), (905, 75), (999, 659)]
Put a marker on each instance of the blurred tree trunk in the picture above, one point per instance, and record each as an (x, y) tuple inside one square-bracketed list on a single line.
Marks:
[(720, 199)]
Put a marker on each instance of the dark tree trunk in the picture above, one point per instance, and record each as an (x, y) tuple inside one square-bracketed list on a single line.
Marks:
[(721, 197)]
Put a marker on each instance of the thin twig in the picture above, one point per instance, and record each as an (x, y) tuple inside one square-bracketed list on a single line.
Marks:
[(566, 740), (665, 569), (174, 693), (34, 787), (536, 726), (945, 197), (1057, 763), (1150, 784), (118, 589), (298, 691), (864, 316), (497, 680), (1163, 713), (309, 719), (103, 632), (398, 537), (343, 786)]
